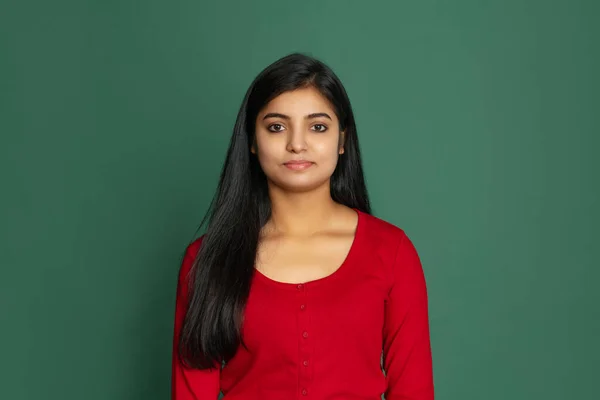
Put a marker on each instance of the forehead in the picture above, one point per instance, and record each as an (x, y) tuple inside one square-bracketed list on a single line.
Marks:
[(300, 101)]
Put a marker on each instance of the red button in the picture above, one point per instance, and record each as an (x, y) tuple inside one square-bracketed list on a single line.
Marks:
[(305, 363), (302, 307), (305, 334), (304, 392), (300, 287)]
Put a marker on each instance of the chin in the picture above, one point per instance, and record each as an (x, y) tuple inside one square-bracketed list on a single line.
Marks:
[(299, 185)]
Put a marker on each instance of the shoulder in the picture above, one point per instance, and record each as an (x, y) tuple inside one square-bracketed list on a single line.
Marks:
[(194, 247), (382, 233), (189, 256), (388, 244)]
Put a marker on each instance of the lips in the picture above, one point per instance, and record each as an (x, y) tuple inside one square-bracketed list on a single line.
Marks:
[(298, 164)]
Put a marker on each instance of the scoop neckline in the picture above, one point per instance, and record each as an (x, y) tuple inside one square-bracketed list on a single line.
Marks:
[(328, 278)]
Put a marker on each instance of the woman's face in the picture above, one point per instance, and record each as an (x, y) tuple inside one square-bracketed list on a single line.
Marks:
[(298, 140)]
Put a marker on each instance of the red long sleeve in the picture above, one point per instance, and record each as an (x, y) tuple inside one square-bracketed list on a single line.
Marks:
[(189, 384), (407, 350), (323, 339)]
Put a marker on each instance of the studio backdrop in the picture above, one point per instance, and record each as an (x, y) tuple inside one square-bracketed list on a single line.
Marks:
[(478, 123)]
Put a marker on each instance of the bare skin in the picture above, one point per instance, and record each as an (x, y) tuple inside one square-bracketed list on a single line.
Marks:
[(309, 235)]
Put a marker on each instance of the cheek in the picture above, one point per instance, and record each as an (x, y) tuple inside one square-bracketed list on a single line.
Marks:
[(268, 153), (267, 150), (328, 149)]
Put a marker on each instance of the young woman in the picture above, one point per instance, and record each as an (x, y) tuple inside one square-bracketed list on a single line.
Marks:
[(296, 291)]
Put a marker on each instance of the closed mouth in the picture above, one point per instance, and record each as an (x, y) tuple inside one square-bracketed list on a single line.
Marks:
[(298, 162)]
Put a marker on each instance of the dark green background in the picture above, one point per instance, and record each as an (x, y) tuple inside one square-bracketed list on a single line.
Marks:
[(479, 124)]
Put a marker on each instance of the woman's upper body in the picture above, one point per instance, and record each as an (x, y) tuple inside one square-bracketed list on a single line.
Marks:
[(295, 287), (323, 339)]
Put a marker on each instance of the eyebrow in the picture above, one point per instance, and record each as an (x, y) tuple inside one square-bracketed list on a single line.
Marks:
[(309, 116)]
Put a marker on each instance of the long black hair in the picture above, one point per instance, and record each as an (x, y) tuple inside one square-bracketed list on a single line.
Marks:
[(224, 266)]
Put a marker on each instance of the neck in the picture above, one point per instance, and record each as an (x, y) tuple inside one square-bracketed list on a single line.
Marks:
[(301, 213)]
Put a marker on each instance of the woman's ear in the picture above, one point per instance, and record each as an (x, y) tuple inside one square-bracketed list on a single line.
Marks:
[(341, 142)]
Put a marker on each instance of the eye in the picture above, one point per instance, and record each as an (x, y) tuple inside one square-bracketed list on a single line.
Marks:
[(275, 125), (320, 127)]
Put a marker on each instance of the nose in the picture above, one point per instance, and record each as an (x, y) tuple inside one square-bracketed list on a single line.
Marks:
[(296, 141)]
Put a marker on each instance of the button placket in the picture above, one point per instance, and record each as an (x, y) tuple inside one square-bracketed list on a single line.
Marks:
[(304, 338)]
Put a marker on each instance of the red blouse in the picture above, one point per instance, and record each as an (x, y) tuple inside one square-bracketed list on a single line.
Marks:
[(324, 339)]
